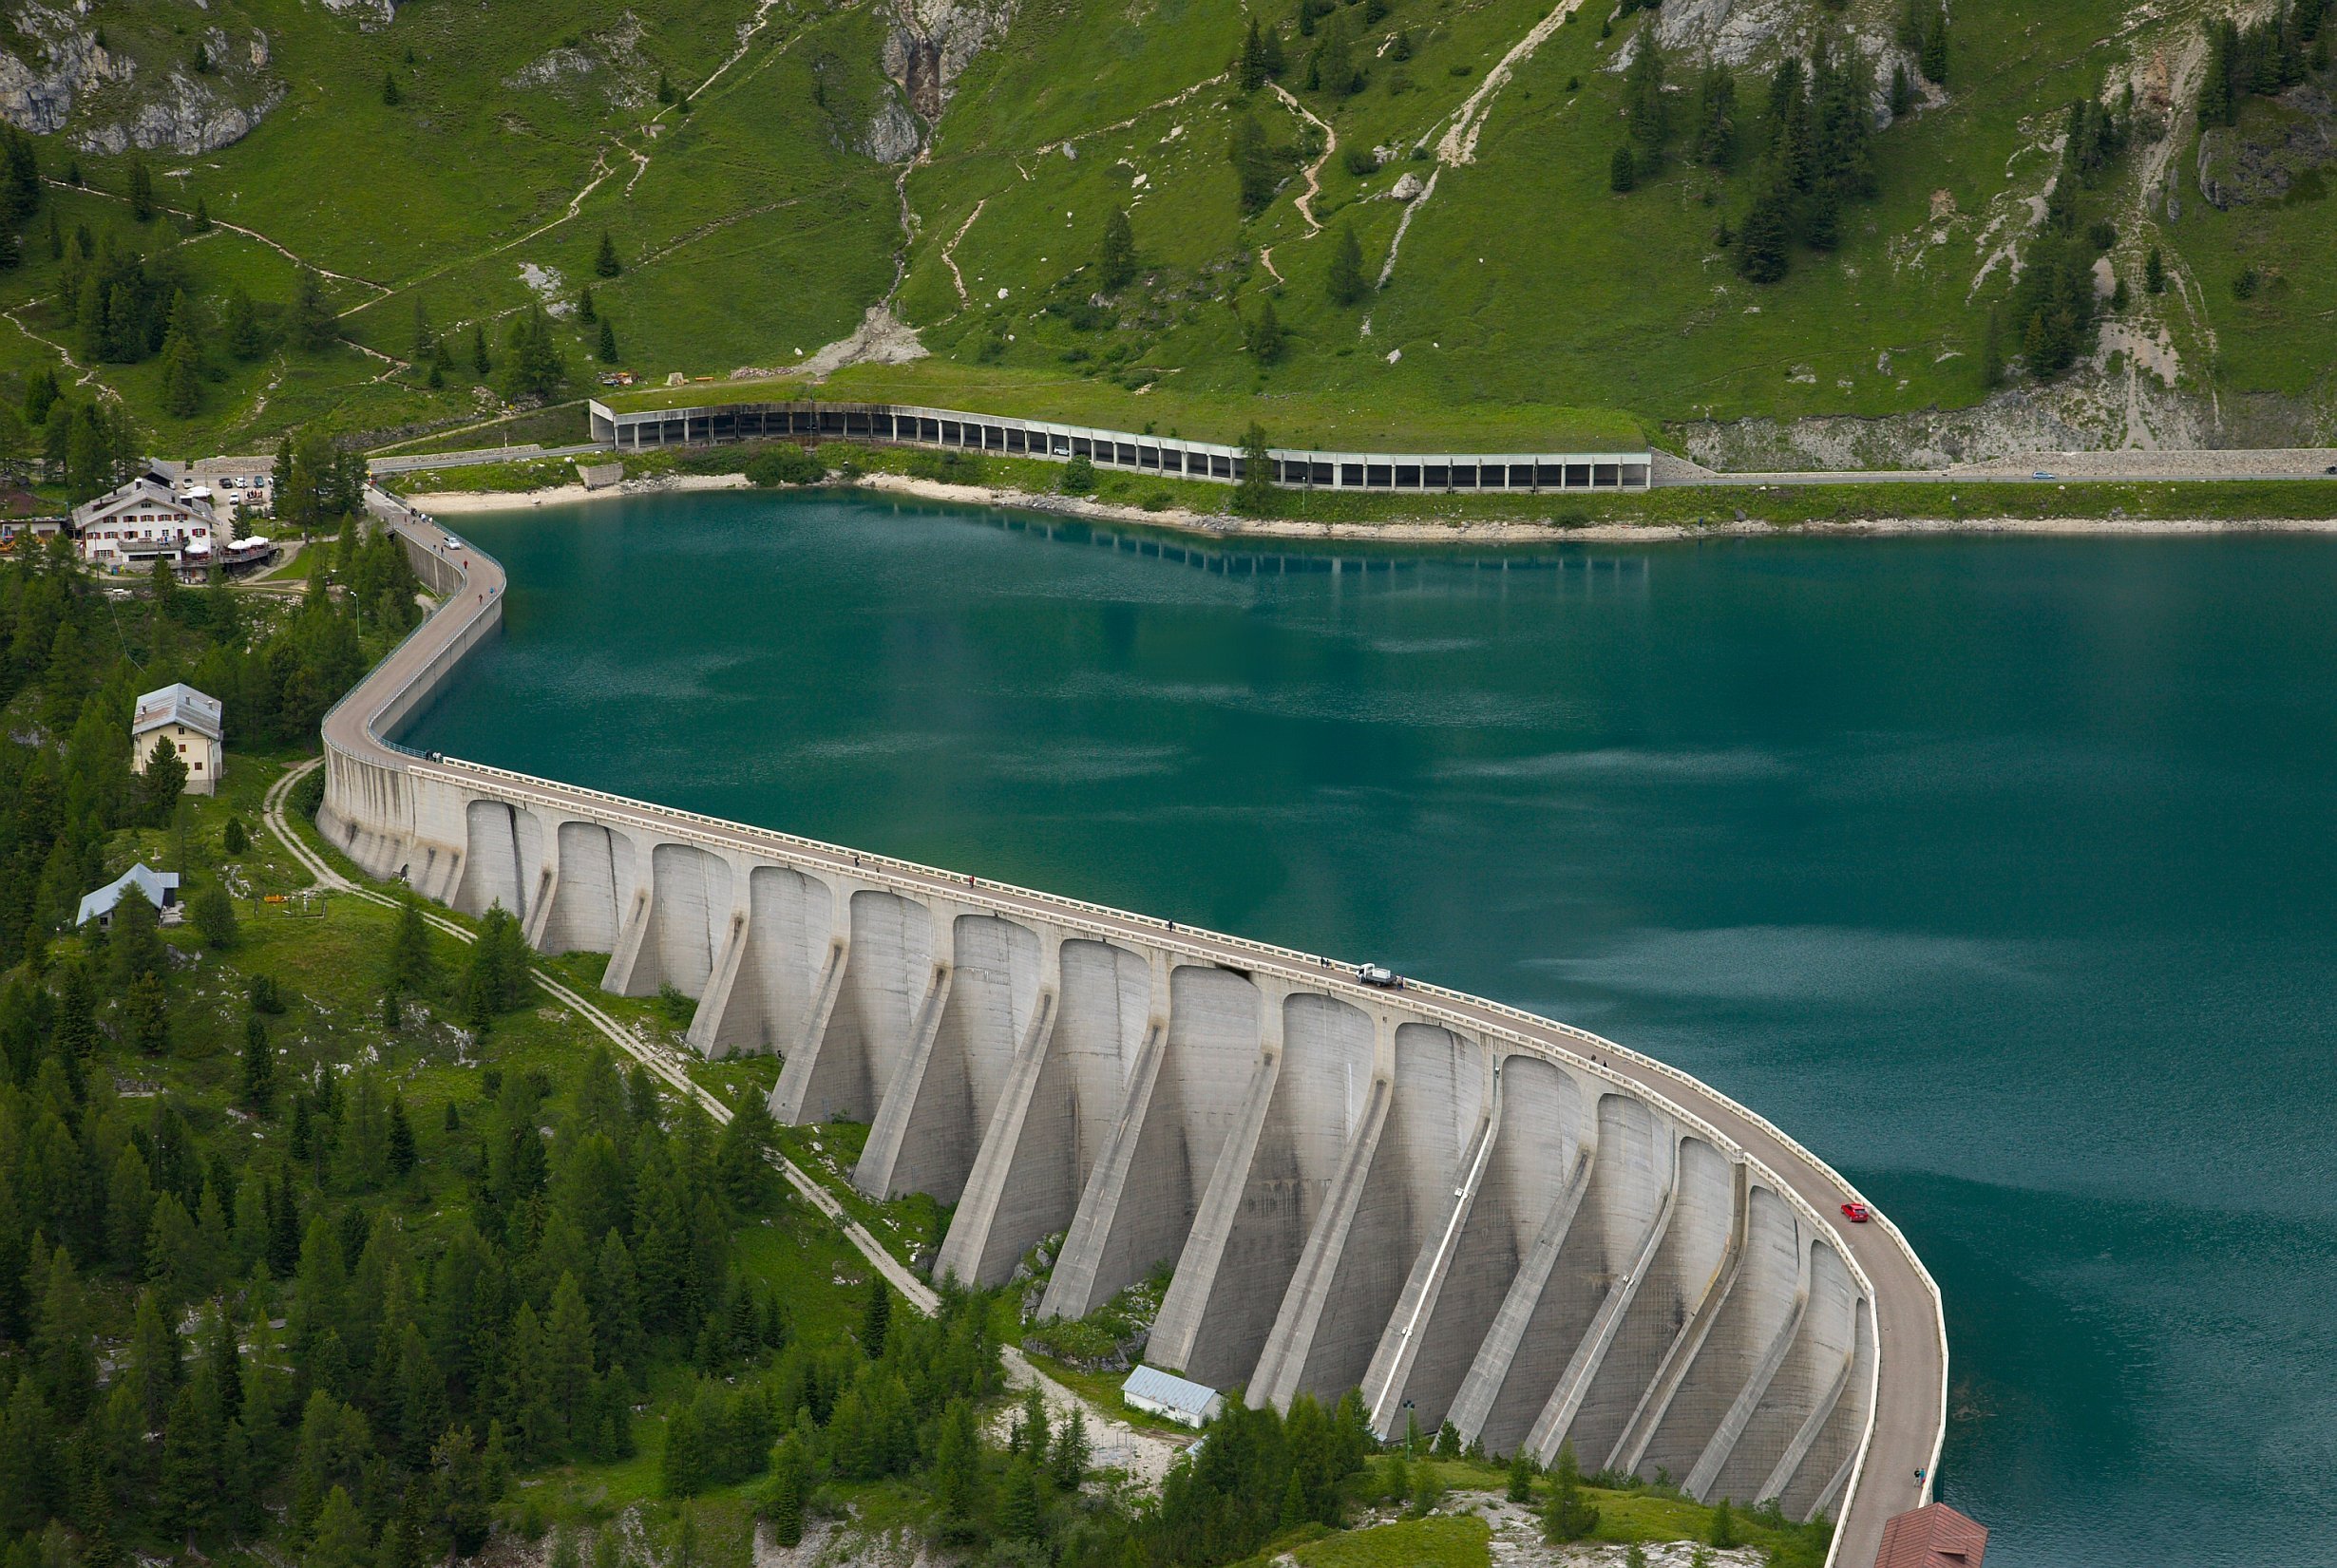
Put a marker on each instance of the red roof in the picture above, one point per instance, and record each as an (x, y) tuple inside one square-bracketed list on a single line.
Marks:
[(1934, 1536)]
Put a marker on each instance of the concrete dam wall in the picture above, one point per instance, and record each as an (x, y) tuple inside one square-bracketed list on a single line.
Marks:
[(1468, 1213)]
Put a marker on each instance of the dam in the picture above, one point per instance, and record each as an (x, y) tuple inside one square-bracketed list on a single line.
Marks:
[(1471, 1213)]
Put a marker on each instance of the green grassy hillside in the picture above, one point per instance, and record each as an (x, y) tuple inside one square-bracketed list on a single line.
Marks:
[(1527, 297)]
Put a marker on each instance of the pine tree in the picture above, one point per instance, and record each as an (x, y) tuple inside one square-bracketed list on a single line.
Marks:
[(1070, 1464), (141, 190), (1250, 73), (426, 338), (1567, 1517), (608, 342), (389, 93), (341, 1539), (1761, 243), (478, 360), (240, 326), (1648, 117), (201, 221), (1902, 91), (1254, 163), (605, 263), (401, 1139), (2154, 272), (586, 311), (315, 325), (411, 970), (959, 1485), (1021, 1510), (1716, 117), (1722, 1536), (876, 1316), (784, 1495), (1521, 1477), (1263, 334), (1622, 173), (1116, 254), (1345, 280), (1935, 61), (183, 384), (146, 1013), (1254, 494)]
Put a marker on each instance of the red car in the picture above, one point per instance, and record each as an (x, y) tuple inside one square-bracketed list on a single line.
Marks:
[(1857, 1214)]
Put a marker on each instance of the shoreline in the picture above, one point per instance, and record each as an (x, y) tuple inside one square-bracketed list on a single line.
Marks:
[(1216, 525)]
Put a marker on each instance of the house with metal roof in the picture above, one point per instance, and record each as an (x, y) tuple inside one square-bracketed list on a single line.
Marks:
[(161, 888), (181, 717), (1171, 1397)]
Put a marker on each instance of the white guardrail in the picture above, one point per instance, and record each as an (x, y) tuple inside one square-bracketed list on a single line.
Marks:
[(1548, 1038)]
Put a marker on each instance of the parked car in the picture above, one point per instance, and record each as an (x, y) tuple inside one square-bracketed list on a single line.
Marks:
[(1380, 976), (2044, 474), (1857, 1214)]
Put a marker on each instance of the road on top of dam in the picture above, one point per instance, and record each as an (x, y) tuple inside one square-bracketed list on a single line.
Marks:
[(1910, 1388)]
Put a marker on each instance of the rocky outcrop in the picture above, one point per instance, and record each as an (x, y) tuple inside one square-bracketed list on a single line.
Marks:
[(893, 136), (2273, 156), (2079, 415), (933, 41), (73, 65), (184, 116), (608, 62), (370, 14), (99, 98), (1760, 32)]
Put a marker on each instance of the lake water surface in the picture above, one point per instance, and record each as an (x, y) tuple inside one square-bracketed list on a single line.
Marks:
[(1999, 871)]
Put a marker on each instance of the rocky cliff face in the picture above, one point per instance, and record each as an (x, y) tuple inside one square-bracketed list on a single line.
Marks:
[(105, 104), (933, 41), (39, 96)]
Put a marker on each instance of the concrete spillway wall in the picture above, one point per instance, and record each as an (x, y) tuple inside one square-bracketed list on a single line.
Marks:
[(1467, 1213)]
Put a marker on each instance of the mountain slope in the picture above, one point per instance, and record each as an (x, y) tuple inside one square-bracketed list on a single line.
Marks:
[(957, 162)]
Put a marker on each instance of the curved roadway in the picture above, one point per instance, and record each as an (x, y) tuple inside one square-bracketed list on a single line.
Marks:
[(1910, 1394)]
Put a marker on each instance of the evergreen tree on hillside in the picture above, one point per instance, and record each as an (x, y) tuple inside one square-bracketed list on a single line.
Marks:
[(1568, 1515), (2154, 272), (389, 93), (1254, 495), (1935, 61), (478, 360), (20, 182), (183, 383), (424, 348), (604, 261), (1643, 87), (608, 342), (1716, 117), (532, 364), (1116, 255), (240, 327), (315, 327), (259, 1065), (1622, 171), (1251, 70), (1262, 335), (141, 190), (1255, 165), (1344, 279)]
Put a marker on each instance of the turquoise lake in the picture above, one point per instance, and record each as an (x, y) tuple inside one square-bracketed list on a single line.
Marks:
[(2001, 872)]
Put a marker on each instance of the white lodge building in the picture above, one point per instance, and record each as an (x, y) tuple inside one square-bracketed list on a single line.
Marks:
[(144, 520), (189, 721)]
